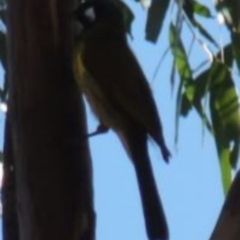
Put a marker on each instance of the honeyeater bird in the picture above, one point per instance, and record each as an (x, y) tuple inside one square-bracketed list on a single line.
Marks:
[(116, 88)]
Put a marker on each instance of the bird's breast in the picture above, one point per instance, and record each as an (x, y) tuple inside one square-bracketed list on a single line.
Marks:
[(101, 106)]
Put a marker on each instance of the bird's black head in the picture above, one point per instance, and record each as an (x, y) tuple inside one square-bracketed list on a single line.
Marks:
[(114, 11)]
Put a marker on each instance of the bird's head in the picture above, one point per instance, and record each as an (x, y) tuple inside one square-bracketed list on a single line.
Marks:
[(115, 12)]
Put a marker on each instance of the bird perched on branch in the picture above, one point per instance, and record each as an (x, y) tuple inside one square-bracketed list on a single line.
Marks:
[(115, 87)]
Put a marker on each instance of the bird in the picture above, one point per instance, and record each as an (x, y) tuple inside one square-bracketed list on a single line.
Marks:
[(110, 77)]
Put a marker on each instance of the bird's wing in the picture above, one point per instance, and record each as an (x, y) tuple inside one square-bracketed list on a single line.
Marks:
[(123, 82)]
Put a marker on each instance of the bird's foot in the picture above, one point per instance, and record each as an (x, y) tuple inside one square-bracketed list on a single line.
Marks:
[(100, 130)]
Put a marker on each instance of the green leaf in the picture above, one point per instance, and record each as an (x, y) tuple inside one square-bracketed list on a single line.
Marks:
[(180, 56), (184, 70), (201, 87), (224, 109), (201, 9), (178, 110), (202, 81), (193, 7), (186, 106), (155, 17), (225, 169), (225, 99)]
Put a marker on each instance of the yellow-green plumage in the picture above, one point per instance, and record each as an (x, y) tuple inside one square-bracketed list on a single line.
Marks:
[(119, 95)]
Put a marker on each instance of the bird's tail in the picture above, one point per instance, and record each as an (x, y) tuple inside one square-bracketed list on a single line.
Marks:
[(159, 138), (156, 225)]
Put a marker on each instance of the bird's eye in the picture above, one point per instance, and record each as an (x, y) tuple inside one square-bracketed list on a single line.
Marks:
[(90, 14)]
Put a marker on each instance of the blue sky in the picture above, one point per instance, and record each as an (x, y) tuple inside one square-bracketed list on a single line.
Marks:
[(190, 185)]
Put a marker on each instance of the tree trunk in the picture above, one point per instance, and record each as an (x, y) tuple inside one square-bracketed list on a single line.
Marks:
[(10, 219), (52, 164)]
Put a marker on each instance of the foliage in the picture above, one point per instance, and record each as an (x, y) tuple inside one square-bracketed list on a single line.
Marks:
[(211, 90)]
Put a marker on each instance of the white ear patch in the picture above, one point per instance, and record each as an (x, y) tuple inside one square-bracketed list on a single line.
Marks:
[(90, 14)]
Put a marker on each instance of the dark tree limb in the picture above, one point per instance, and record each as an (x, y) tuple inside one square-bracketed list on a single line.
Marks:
[(10, 219), (52, 162), (228, 224)]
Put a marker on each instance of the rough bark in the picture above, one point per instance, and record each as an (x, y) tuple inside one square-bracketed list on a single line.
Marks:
[(52, 164), (10, 219)]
